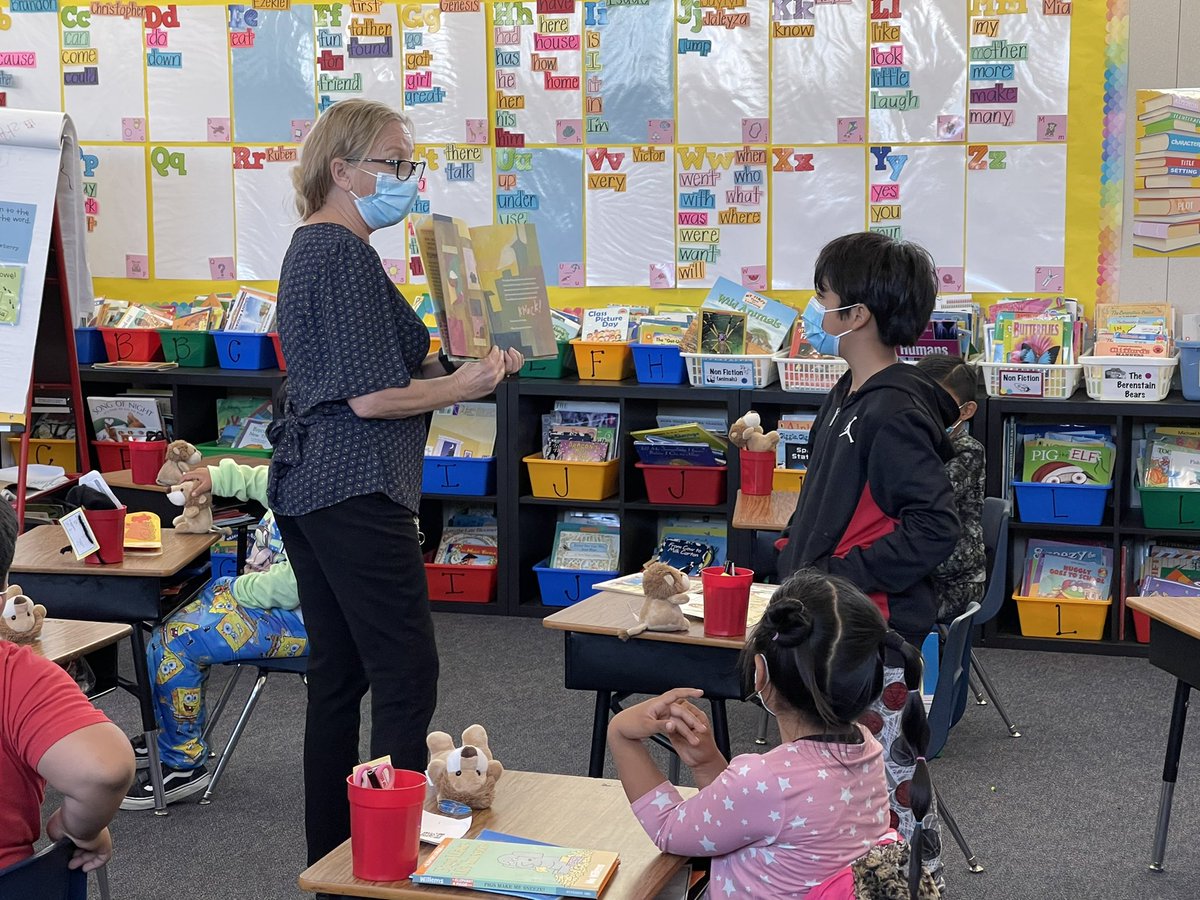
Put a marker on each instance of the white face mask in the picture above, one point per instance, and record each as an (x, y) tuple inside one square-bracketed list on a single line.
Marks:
[(766, 681)]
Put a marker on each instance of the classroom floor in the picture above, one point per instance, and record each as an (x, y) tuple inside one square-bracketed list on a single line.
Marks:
[(1066, 811)]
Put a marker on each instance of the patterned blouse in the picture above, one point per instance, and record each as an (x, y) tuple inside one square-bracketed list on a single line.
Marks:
[(346, 331)]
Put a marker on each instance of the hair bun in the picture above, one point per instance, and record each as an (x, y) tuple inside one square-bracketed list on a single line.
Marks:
[(789, 621)]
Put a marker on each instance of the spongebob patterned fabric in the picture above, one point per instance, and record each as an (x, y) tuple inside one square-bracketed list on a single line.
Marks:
[(211, 630)]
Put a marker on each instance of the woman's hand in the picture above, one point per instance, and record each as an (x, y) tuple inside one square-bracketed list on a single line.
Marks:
[(199, 480), (479, 378), (652, 716), (513, 360)]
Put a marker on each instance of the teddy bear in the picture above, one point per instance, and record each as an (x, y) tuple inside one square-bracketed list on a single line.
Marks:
[(197, 516), (22, 619), (666, 589), (467, 774), (182, 457), (747, 434)]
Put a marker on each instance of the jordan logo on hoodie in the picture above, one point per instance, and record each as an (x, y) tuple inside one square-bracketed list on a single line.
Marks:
[(846, 431)]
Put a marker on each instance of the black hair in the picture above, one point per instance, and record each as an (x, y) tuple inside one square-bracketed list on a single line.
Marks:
[(8, 538), (953, 374), (821, 637), (895, 280)]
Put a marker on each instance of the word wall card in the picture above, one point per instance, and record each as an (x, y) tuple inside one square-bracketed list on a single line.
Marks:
[(445, 71), (357, 50), (721, 211), (625, 185), (544, 186), (104, 83), (629, 65)]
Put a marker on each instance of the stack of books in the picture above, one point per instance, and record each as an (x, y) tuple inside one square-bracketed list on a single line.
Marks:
[(242, 423), (249, 311), (1138, 330), (1069, 457), (1171, 459), (582, 542), (1056, 570), (688, 444), (792, 451), (127, 418), (1168, 571), (581, 431), (1166, 195), (1038, 331), (735, 321), (691, 544)]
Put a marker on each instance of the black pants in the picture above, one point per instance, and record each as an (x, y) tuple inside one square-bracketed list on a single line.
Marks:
[(362, 590)]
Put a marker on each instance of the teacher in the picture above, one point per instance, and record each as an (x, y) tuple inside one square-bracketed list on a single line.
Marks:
[(345, 480)]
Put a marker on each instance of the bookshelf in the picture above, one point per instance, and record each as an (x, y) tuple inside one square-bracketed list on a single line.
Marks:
[(1122, 523)]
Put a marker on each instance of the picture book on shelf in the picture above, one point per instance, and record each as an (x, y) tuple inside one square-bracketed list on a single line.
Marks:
[(1051, 461), (688, 556), (468, 546), (676, 453), (722, 332), (1171, 460), (124, 418), (1068, 571), (505, 866), (594, 548), (487, 287), (251, 311), (768, 322), (242, 422), (605, 324), (463, 429), (792, 451), (576, 422)]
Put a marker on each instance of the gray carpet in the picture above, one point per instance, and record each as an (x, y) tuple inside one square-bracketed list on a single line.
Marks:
[(1064, 812)]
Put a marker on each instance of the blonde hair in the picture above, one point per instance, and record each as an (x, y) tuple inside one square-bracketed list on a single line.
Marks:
[(346, 129)]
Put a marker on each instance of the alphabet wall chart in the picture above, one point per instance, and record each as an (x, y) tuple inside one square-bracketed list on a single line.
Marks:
[(654, 143)]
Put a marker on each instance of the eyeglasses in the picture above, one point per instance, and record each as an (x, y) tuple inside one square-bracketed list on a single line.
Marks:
[(404, 168)]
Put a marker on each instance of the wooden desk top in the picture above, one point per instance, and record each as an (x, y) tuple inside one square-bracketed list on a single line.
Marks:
[(769, 512), (38, 551), (124, 477), (610, 613), (565, 810), (1181, 613), (63, 640)]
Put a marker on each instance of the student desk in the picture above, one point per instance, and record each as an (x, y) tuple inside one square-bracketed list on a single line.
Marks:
[(129, 592), (768, 512), (64, 640), (141, 497), (1175, 648), (564, 810), (651, 663)]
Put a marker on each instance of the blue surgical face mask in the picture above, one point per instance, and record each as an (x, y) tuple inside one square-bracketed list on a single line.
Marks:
[(392, 201), (814, 327)]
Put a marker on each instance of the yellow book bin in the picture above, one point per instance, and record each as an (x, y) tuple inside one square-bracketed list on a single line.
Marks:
[(1057, 617), (788, 480), (46, 452), (564, 479), (603, 360)]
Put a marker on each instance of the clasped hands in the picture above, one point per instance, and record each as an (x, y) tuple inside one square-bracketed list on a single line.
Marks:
[(674, 716)]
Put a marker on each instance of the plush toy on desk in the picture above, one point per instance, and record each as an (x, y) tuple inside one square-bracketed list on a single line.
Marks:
[(22, 618), (197, 515), (182, 457), (467, 774), (666, 589), (747, 434)]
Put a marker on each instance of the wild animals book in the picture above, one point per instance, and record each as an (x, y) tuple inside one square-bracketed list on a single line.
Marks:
[(768, 322), (722, 333), (487, 287), (530, 868)]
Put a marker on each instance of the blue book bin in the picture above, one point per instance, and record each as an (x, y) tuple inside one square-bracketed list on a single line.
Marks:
[(562, 587), (1061, 504), (465, 475)]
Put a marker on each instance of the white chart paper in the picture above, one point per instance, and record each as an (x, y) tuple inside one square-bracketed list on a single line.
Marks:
[(538, 72), (445, 74), (915, 193), (193, 211), (918, 71), (29, 60), (101, 95), (1016, 218), (816, 196), (818, 94), (625, 185), (188, 78), (114, 188), (266, 216), (724, 72), (358, 54)]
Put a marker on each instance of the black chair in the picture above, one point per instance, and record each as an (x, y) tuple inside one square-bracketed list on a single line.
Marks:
[(951, 688), (996, 515), (46, 876)]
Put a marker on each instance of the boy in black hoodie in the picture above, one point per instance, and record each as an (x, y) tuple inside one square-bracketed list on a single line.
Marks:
[(877, 507)]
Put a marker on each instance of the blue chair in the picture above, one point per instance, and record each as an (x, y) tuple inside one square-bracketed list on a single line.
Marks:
[(951, 688), (295, 665), (996, 515), (46, 876)]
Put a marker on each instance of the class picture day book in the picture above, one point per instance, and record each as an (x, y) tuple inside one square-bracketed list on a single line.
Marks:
[(487, 288), (529, 868)]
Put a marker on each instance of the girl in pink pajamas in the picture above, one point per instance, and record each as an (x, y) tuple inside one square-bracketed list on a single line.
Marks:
[(790, 820)]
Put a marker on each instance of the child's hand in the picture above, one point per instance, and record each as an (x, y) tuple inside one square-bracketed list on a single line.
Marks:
[(652, 716), (695, 745)]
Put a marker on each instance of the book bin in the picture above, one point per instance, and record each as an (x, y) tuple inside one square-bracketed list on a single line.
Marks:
[(562, 587), (560, 479), (1050, 617), (684, 485), (602, 361), (659, 364), (463, 475)]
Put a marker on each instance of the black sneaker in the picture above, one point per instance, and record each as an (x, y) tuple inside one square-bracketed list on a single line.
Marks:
[(177, 784), (141, 754)]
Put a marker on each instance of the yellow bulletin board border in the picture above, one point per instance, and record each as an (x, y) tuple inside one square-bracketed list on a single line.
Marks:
[(1095, 103)]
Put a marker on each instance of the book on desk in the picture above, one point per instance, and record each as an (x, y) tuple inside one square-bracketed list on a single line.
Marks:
[(524, 867)]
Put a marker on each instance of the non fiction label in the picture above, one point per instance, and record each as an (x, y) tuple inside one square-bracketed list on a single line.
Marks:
[(1022, 382), (730, 373)]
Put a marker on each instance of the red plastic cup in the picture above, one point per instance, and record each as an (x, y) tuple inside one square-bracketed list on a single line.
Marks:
[(758, 471), (108, 525), (726, 600), (145, 459), (385, 827)]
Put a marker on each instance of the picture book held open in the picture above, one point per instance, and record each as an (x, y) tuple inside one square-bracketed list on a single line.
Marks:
[(487, 288)]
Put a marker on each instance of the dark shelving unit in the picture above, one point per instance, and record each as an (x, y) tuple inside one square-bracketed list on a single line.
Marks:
[(1121, 525)]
